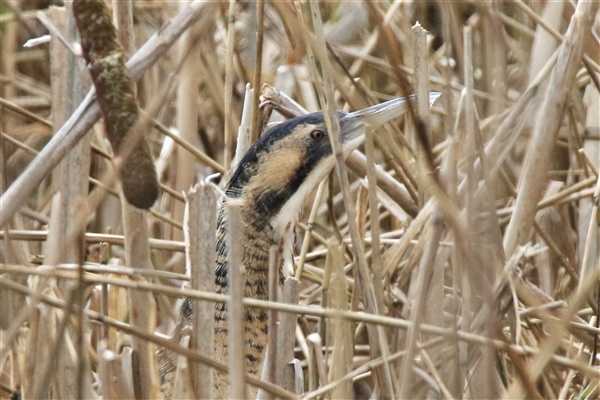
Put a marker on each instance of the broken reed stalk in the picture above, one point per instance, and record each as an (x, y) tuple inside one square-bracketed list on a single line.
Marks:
[(245, 129), (110, 369), (200, 225), (9, 105), (430, 270), (286, 339)]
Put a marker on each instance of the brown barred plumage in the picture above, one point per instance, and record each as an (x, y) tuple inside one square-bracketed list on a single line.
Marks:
[(271, 183)]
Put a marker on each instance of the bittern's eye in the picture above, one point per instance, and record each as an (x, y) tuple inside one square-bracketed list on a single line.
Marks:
[(317, 134)]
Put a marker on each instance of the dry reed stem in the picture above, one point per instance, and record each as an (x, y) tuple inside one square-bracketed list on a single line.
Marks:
[(135, 222), (360, 317), (316, 365), (273, 332), (119, 240), (307, 310), (188, 88), (307, 233), (151, 337), (71, 184), (547, 125), (227, 97), (200, 244), (269, 370), (376, 336), (236, 315), (340, 331), (285, 342), (142, 306), (110, 369), (203, 158), (418, 312), (244, 131), (9, 105), (588, 62), (258, 62)]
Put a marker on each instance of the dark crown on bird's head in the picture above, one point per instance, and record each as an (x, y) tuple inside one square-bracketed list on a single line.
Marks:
[(290, 160)]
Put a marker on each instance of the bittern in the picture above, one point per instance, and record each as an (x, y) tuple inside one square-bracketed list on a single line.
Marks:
[(271, 182)]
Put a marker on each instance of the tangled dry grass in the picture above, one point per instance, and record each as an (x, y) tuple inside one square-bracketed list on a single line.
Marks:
[(476, 273)]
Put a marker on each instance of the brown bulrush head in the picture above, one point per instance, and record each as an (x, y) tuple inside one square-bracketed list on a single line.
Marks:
[(114, 90)]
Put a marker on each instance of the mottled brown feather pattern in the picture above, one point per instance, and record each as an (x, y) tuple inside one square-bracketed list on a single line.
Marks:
[(255, 245), (269, 175)]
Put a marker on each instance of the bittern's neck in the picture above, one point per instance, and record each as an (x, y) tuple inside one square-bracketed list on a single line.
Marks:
[(264, 224), (262, 205), (254, 244)]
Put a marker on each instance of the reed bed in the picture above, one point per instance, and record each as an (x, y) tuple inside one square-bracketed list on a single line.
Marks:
[(457, 257)]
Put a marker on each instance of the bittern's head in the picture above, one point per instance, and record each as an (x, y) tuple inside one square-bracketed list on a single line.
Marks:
[(290, 159)]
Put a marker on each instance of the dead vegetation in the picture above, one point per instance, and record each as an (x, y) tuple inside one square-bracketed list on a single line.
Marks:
[(461, 259)]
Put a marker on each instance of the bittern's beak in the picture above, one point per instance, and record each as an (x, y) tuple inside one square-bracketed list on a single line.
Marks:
[(352, 125)]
